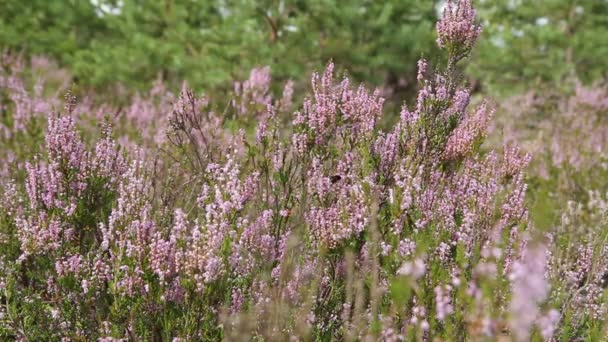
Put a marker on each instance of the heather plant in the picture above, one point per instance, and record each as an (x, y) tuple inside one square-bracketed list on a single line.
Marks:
[(577, 268), (565, 130), (182, 217), (24, 100), (566, 133)]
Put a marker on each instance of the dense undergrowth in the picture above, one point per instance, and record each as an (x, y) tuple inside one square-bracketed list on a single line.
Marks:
[(181, 217)]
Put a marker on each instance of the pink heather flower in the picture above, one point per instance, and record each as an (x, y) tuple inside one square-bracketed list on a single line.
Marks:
[(422, 64), (594, 97), (26, 105), (346, 214), (318, 183), (162, 254), (424, 325), (131, 189), (329, 227), (386, 146), (514, 207), (175, 293), (222, 197), (441, 91), (530, 288), (357, 109), (419, 315), (462, 138), (38, 194), (70, 102), (443, 251), (299, 142), (548, 323), (63, 143), (300, 275), (414, 269), (68, 265), (278, 157), (582, 265), (408, 119), (361, 110), (107, 161), (254, 92), (423, 94), (514, 161), (443, 301), (407, 247), (460, 102), (386, 248), (287, 98), (180, 225), (38, 234), (262, 130), (130, 283), (237, 300), (457, 25), (256, 246)]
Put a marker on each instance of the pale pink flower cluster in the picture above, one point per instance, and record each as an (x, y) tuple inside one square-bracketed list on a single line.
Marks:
[(530, 288), (254, 92), (472, 128), (338, 109), (457, 25)]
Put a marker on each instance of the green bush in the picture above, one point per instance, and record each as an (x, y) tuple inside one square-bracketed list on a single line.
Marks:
[(539, 43), (211, 43)]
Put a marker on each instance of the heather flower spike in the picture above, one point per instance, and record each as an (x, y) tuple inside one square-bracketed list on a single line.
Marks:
[(457, 29)]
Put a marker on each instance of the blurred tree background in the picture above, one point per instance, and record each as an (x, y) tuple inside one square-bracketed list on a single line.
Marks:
[(536, 44), (210, 43)]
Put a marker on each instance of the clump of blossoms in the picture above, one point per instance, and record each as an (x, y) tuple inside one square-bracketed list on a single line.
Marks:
[(569, 127), (570, 171), (327, 228), (577, 270), (457, 27)]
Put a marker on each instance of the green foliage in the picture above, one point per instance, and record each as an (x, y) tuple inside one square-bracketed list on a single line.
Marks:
[(211, 43), (56, 28), (535, 43)]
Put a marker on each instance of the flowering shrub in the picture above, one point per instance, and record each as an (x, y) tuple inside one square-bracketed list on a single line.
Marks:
[(566, 132), (196, 226), (567, 137)]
